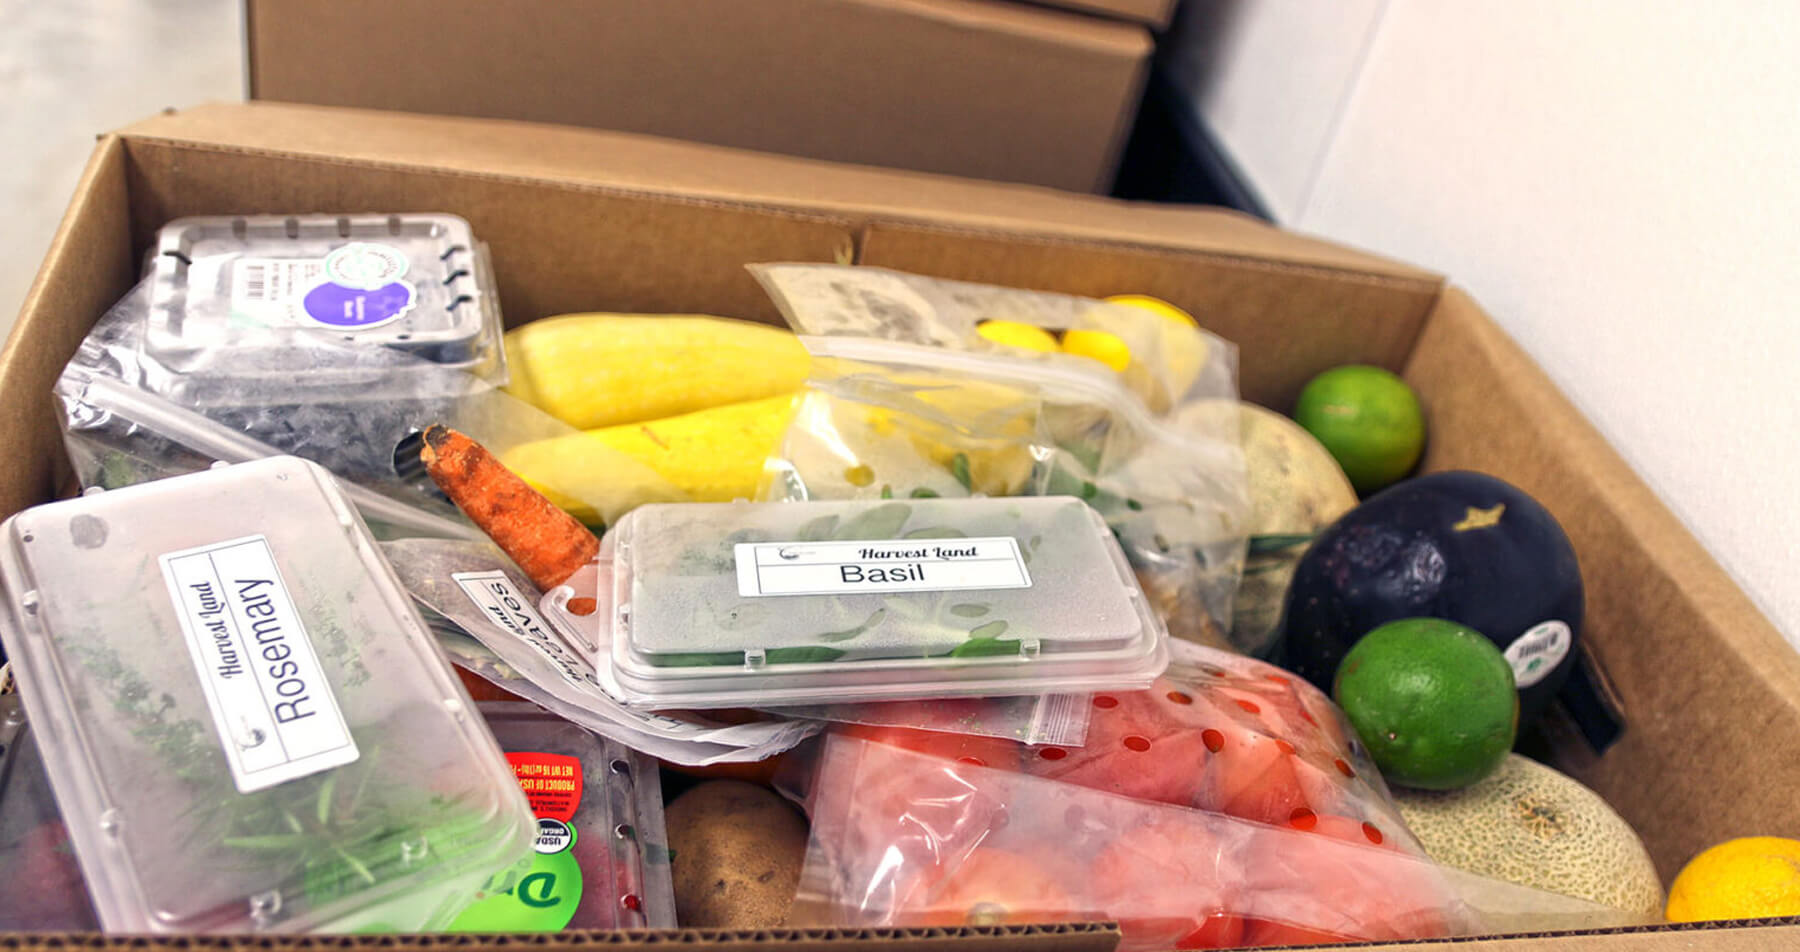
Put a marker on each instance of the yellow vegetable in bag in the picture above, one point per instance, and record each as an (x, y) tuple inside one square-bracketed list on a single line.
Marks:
[(712, 455), (600, 370)]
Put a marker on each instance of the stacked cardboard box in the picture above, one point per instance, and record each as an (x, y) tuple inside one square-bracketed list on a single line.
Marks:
[(981, 88)]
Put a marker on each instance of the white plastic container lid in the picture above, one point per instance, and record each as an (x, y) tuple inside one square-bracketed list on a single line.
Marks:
[(385, 304), (764, 604), (246, 723)]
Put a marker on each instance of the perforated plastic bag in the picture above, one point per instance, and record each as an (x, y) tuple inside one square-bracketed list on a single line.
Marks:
[(891, 420), (901, 838), (1060, 719), (908, 397), (1171, 361), (128, 416)]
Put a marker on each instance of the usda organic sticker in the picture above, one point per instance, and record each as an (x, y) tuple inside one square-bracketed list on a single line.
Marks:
[(1537, 652), (541, 893)]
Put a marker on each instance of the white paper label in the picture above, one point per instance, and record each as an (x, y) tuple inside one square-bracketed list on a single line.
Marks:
[(1538, 651), (259, 283), (888, 565), (501, 603), (274, 710)]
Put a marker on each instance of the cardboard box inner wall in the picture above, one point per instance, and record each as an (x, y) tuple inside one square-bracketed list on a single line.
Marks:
[(981, 88), (581, 220), (1155, 14)]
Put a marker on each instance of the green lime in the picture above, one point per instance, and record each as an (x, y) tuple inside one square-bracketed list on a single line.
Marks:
[(1369, 419), (1432, 700)]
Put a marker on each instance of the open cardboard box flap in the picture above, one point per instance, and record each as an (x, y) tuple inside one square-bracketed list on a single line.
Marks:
[(582, 220)]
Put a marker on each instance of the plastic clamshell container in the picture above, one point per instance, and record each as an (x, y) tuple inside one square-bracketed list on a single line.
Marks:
[(42, 890), (251, 297), (763, 604), (600, 803), (245, 722)]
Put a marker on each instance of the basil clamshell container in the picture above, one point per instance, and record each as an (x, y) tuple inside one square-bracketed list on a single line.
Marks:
[(245, 722), (709, 605), (601, 857)]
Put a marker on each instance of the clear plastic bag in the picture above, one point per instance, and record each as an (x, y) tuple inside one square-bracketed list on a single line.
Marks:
[(1218, 732), (1170, 361), (1230, 734), (893, 420), (934, 405), (486, 617), (901, 838), (1060, 719), (128, 417)]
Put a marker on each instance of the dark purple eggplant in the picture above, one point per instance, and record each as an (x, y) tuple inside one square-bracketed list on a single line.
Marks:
[(1458, 545)]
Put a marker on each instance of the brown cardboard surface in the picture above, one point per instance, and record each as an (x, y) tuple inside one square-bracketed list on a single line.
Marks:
[(88, 266), (970, 87), (584, 157), (1065, 937), (1151, 13), (634, 252), (1711, 692)]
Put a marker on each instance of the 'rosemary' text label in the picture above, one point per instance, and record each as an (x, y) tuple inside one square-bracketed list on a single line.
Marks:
[(275, 712)]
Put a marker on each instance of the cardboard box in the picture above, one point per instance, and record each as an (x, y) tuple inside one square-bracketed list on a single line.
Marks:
[(584, 220), (1155, 14), (978, 88)]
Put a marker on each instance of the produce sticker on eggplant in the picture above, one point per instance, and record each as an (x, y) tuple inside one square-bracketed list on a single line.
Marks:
[(276, 715), (890, 565)]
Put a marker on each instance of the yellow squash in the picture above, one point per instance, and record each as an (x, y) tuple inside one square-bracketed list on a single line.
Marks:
[(601, 370), (712, 455)]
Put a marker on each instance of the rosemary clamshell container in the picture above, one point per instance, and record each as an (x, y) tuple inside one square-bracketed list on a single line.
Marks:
[(245, 722)]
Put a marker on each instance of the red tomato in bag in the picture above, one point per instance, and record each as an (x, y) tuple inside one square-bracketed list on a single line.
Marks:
[(1170, 885), (997, 752), (1253, 778), (1135, 748), (1368, 890)]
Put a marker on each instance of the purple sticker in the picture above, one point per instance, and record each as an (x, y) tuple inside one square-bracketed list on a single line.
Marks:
[(335, 305)]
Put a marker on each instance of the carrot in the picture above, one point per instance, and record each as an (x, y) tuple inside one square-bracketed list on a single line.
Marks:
[(547, 543)]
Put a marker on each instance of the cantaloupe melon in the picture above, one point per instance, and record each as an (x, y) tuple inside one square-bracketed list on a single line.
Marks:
[(1296, 490), (1529, 824)]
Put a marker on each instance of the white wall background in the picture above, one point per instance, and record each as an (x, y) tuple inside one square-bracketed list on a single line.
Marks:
[(1617, 181), (72, 68)]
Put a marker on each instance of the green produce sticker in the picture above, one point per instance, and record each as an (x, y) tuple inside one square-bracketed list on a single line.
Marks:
[(540, 894)]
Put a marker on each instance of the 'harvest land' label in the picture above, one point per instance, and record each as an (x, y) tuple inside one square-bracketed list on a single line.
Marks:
[(276, 715), (842, 568)]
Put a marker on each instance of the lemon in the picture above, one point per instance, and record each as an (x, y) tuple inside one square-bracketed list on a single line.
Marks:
[(1017, 334), (1747, 878), (1369, 419), (1156, 306), (1432, 700), (1104, 346), (1181, 350)]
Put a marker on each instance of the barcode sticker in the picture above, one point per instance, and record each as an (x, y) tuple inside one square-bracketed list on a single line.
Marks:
[(268, 286)]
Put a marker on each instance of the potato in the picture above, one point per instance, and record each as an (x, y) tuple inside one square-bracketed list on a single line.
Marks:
[(737, 851)]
